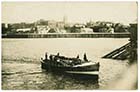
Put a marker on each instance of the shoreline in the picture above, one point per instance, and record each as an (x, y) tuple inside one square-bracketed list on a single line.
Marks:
[(67, 35)]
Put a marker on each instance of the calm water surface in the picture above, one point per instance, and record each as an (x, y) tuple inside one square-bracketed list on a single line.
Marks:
[(21, 62)]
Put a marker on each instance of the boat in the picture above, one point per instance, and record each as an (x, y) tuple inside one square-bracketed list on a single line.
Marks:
[(57, 63)]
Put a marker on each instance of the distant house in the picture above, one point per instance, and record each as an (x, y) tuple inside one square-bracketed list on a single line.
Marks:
[(60, 25), (77, 28), (86, 30), (42, 29), (54, 30), (62, 31), (23, 30), (79, 25), (52, 23), (110, 30)]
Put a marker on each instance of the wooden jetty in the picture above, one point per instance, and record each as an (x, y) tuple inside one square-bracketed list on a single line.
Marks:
[(120, 53)]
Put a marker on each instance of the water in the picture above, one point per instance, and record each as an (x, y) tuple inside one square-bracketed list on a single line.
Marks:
[(21, 62)]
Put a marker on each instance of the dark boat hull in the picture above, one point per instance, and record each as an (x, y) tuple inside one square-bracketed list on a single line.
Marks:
[(50, 67)]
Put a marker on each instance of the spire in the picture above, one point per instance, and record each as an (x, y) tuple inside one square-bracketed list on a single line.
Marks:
[(65, 19)]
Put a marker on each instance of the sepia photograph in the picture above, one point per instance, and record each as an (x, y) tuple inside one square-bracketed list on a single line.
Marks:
[(69, 45)]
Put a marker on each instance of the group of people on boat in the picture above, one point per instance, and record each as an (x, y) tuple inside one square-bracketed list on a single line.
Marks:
[(65, 61)]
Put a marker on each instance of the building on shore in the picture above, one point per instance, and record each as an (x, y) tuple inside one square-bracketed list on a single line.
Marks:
[(42, 29), (86, 30), (23, 30)]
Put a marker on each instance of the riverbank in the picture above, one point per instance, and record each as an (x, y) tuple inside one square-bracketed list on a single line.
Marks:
[(67, 35)]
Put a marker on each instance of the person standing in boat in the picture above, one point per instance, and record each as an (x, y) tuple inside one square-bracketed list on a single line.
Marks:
[(46, 56), (85, 57), (77, 56), (51, 58), (56, 57), (58, 54), (78, 60), (52, 62)]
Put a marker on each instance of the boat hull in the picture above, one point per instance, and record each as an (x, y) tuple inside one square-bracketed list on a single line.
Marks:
[(49, 67)]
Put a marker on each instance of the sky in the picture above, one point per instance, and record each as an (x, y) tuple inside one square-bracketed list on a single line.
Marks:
[(123, 12)]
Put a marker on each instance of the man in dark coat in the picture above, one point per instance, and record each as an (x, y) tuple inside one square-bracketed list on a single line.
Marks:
[(85, 57)]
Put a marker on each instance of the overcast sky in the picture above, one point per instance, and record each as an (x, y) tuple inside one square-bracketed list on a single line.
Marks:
[(124, 12)]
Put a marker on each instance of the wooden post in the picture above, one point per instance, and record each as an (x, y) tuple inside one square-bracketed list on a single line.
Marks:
[(133, 43)]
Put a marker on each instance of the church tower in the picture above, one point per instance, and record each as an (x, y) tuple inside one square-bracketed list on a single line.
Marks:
[(65, 19)]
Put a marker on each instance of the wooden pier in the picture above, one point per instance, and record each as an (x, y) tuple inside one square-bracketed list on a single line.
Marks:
[(120, 53)]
